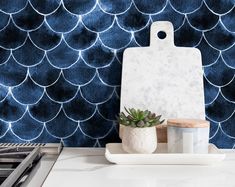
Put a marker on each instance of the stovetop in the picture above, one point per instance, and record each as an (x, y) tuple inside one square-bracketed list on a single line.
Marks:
[(24, 164)]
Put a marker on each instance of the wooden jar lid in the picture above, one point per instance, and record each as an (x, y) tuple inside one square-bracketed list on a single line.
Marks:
[(188, 123)]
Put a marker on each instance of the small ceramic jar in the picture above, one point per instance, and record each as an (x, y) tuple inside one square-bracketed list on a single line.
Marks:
[(187, 136)]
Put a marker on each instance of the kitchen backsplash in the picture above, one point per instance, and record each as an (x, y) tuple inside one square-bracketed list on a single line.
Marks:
[(60, 64)]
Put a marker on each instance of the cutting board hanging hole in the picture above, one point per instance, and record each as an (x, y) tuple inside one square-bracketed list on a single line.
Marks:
[(161, 35)]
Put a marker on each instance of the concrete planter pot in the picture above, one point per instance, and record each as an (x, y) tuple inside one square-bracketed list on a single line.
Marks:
[(139, 140)]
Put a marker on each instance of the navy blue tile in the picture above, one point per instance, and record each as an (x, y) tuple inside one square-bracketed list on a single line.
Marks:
[(214, 127), (96, 127), (80, 73), (96, 91), (115, 37), (4, 55), (12, 6), (118, 7), (98, 55), (211, 92), (93, 20), (80, 37), (220, 6), (79, 139), (220, 38), (28, 18), (63, 56), (44, 110), (62, 90), (3, 128), (79, 108), (142, 37), (169, 14), (27, 128), (3, 92), (10, 110), (111, 74), (61, 126), (132, 20), (227, 126), (27, 92), (45, 6), (187, 36), (228, 20), (79, 7), (44, 73), (228, 91), (12, 73), (45, 137), (111, 137), (12, 37), (61, 61), (203, 18), (220, 109), (9, 137), (28, 54), (61, 20), (150, 6), (5, 18), (110, 109), (229, 56), (210, 55), (219, 73), (49, 40), (222, 140), (185, 6)]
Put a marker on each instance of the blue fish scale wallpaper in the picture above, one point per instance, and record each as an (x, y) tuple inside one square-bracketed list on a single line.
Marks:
[(61, 60)]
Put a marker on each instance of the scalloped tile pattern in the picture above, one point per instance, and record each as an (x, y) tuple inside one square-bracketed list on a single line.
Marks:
[(60, 64)]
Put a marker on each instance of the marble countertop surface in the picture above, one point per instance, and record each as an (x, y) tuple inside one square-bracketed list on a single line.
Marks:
[(87, 167)]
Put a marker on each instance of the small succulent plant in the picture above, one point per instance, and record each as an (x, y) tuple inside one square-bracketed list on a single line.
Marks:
[(138, 118)]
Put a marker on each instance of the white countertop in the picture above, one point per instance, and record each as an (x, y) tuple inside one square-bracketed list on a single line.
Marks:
[(87, 167)]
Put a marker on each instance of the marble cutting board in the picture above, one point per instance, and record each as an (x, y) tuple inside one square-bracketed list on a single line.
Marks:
[(162, 77)]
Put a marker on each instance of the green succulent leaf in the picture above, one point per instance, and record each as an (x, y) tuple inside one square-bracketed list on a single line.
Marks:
[(139, 118)]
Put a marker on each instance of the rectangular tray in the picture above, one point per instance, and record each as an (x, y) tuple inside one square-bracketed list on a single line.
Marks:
[(115, 154)]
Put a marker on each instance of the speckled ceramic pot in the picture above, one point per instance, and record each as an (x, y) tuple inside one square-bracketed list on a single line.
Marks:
[(139, 140)]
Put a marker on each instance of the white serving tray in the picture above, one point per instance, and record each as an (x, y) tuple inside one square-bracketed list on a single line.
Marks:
[(115, 154)]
